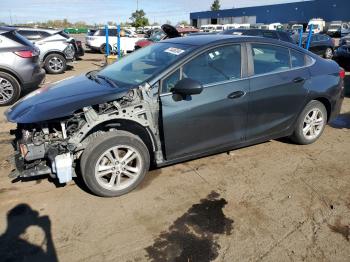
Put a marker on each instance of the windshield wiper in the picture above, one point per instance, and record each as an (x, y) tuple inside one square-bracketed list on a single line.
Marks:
[(108, 80), (92, 76)]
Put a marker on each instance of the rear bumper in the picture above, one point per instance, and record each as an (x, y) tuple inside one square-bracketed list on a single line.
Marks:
[(37, 78), (80, 52), (338, 105)]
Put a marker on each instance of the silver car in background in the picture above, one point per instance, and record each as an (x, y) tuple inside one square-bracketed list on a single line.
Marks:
[(19, 66), (56, 50)]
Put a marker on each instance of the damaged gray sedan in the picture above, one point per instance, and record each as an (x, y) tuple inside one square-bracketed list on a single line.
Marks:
[(173, 101)]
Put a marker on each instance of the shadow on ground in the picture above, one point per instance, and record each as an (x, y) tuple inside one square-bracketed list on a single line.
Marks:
[(14, 247)]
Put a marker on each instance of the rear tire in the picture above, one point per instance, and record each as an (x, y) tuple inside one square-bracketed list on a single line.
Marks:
[(10, 89), (310, 124), (114, 164), (55, 64)]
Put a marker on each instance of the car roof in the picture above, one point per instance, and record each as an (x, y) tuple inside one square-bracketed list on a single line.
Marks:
[(252, 29), (5, 29), (199, 40), (202, 40)]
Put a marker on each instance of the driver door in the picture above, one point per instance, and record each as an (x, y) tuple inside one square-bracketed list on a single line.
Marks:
[(213, 119)]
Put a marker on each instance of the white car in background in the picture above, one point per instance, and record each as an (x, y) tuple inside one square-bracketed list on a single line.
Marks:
[(275, 26), (318, 25), (97, 41), (57, 49)]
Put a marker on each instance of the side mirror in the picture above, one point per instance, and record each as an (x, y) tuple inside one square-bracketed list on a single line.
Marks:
[(188, 86)]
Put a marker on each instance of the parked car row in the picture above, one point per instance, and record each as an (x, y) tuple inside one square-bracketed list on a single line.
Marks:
[(342, 54), (25, 51), (20, 68)]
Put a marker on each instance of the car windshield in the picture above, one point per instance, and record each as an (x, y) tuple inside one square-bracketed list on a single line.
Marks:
[(334, 26), (141, 65), (157, 36)]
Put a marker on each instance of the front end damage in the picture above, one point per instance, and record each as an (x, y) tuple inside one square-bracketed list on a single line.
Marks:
[(54, 147)]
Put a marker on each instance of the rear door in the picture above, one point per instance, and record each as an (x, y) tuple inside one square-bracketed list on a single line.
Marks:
[(215, 118), (277, 91)]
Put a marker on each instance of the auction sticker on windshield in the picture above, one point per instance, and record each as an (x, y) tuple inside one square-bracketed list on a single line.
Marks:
[(174, 51)]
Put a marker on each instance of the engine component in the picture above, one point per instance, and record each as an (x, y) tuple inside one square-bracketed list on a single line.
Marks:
[(62, 166)]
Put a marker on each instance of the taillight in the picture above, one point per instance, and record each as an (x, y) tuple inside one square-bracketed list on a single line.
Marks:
[(25, 54), (342, 73)]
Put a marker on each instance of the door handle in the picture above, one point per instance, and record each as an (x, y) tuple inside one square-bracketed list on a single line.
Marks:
[(298, 80), (236, 94)]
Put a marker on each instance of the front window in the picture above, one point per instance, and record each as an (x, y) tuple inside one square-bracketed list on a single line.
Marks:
[(145, 63), (219, 64)]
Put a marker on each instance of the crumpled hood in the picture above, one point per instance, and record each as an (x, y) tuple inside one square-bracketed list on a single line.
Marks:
[(62, 99)]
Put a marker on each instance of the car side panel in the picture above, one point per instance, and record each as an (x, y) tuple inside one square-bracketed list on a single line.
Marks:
[(205, 121), (326, 83), (275, 101)]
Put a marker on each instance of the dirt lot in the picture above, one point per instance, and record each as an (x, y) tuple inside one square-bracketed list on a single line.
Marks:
[(272, 202)]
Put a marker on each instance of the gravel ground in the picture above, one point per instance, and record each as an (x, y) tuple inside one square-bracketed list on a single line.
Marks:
[(271, 202)]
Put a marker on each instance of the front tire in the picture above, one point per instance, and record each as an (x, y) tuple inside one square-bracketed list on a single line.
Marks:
[(103, 49), (55, 64), (328, 54), (310, 124), (114, 164), (10, 89)]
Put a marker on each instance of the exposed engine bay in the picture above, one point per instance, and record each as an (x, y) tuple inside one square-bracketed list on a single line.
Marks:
[(54, 147)]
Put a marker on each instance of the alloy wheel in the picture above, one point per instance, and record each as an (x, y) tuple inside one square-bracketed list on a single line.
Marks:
[(329, 53), (118, 167), (6, 90), (313, 124), (55, 64)]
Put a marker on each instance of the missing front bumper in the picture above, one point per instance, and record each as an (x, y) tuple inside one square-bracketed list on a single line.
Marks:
[(61, 168)]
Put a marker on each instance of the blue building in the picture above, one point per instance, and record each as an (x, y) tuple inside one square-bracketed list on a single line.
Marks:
[(295, 12)]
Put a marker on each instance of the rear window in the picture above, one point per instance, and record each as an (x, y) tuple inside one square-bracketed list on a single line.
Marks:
[(62, 33), (270, 59), (297, 58), (285, 37), (323, 37), (14, 36)]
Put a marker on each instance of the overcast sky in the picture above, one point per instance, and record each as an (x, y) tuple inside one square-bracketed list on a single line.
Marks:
[(101, 11)]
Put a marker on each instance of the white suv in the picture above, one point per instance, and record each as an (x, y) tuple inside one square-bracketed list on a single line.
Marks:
[(97, 41), (56, 48)]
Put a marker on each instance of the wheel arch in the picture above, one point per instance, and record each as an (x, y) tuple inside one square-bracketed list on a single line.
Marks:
[(12, 73), (327, 104), (129, 126), (53, 52)]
